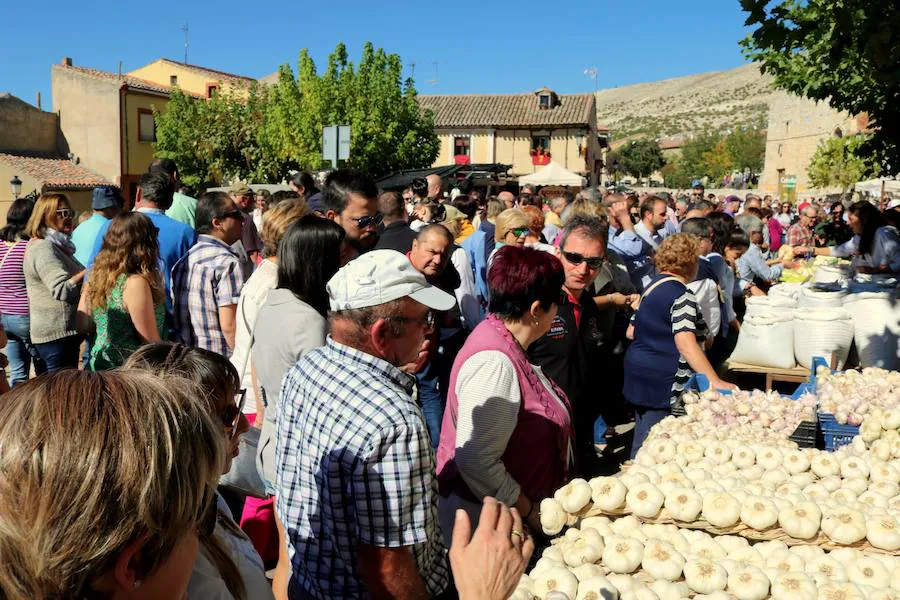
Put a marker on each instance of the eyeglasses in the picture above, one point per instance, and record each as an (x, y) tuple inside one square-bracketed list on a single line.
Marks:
[(65, 213), (231, 416), (593, 262), (520, 231), (363, 222), (427, 320), (208, 514), (234, 214)]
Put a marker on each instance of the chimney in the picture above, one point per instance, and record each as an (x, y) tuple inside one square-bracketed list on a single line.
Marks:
[(66, 61), (119, 73), (38, 103)]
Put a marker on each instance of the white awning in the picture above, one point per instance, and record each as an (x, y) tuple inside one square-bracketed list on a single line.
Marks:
[(873, 186), (553, 174)]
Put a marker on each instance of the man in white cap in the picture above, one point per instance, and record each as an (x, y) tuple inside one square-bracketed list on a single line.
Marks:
[(354, 467)]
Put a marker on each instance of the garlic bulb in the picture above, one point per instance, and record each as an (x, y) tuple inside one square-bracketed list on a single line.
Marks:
[(807, 552), (596, 588), (831, 482), (844, 555), (743, 458), (553, 517), (691, 450), (895, 579), (883, 595), (801, 520), (639, 593), (586, 571), (748, 556), (622, 554), (854, 467), (708, 548), (522, 593), (667, 590), (644, 500), (544, 564), (721, 509), (769, 458), (732, 543), (718, 453), (556, 579), (868, 571), (828, 567), (796, 462), (623, 583), (554, 553), (793, 586), (844, 526), (888, 489), (883, 532), (608, 493), (824, 465), (857, 484), (684, 504), (582, 551), (704, 576), (872, 499), (748, 583), (573, 496), (662, 561), (662, 450), (841, 591), (785, 561), (767, 548), (599, 524), (758, 513), (628, 526)]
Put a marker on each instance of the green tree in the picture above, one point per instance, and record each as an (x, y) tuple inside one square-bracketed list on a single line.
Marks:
[(839, 162), (641, 158), (844, 52), (746, 148)]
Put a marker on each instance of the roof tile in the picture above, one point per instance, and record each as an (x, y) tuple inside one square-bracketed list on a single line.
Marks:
[(53, 171), (508, 110), (133, 82)]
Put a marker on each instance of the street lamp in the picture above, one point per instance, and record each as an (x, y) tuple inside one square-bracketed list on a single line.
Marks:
[(16, 184)]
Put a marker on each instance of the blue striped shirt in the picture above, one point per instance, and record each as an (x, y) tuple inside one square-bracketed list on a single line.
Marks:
[(206, 278), (353, 465)]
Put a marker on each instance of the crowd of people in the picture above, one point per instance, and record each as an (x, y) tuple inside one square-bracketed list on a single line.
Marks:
[(339, 383)]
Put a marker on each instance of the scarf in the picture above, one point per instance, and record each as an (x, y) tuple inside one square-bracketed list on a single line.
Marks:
[(60, 240)]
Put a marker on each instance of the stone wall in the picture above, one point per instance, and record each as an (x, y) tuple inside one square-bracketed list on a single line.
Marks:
[(25, 128)]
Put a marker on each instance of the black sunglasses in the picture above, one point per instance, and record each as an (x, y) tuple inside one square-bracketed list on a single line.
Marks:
[(593, 262), (363, 222), (234, 214), (231, 416)]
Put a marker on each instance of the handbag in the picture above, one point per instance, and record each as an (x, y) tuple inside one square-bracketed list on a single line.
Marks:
[(243, 476)]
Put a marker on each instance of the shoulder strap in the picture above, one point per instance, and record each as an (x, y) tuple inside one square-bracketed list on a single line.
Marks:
[(653, 287), (9, 249)]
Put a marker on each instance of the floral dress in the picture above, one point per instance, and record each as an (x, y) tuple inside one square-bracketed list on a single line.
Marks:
[(116, 338)]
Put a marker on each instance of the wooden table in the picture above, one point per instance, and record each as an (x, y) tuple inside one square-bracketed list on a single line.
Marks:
[(797, 374)]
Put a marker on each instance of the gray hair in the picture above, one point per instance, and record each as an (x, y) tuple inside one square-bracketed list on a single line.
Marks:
[(364, 318), (749, 223), (590, 227)]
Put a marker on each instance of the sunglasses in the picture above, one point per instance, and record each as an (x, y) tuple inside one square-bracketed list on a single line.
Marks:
[(231, 416), (363, 222), (208, 514), (593, 262), (234, 214), (520, 231), (65, 213)]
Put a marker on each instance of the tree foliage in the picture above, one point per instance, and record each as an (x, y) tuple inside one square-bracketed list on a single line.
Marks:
[(262, 135), (840, 162), (713, 156), (844, 52), (641, 158)]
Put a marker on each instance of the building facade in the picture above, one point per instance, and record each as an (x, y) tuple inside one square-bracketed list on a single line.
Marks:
[(522, 130), (796, 127)]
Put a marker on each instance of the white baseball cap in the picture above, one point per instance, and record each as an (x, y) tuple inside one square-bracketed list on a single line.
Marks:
[(380, 276)]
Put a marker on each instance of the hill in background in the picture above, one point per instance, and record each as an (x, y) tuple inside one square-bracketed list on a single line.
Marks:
[(682, 106)]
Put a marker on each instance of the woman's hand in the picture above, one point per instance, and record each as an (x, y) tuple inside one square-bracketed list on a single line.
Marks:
[(488, 565), (719, 384)]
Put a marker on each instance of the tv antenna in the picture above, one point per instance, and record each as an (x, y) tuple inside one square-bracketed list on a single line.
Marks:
[(435, 80), (184, 28), (412, 69)]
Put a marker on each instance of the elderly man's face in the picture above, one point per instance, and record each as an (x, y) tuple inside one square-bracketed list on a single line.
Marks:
[(434, 186), (429, 256), (808, 218), (508, 199), (680, 209), (415, 322)]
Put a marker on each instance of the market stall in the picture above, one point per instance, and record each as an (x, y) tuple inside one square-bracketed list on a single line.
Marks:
[(553, 174)]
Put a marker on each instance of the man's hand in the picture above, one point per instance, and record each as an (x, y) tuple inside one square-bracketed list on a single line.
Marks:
[(619, 211), (488, 566)]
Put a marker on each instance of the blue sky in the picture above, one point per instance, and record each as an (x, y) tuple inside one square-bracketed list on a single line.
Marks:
[(480, 47)]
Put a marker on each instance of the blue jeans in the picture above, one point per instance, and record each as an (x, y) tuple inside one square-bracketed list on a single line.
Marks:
[(431, 400), (60, 354), (644, 420), (19, 349)]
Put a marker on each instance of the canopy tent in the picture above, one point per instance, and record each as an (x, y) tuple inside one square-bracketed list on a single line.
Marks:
[(873, 186), (553, 174)]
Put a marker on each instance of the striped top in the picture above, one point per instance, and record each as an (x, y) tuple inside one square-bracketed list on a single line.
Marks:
[(13, 296)]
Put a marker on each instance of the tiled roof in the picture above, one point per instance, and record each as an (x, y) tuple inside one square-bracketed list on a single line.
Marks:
[(132, 82), (53, 171), (213, 72), (508, 110)]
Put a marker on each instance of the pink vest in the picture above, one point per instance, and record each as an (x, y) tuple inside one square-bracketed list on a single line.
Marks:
[(538, 450)]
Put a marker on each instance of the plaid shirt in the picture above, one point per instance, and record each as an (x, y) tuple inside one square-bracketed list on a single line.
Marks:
[(207, 277), (798, 235), (354, 464)]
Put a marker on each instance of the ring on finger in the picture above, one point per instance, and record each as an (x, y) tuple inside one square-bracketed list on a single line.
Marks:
[(519, 533)]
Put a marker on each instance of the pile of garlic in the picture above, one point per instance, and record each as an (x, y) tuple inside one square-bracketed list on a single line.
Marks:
[(852, 395), (880, 432), (771, 410), (608, 559), (692, 428)]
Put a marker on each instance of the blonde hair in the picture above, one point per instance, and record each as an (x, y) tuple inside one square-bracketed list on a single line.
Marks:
[(92, 462), (454, 227), (510, 219), (678, 253), (584, 206), (45, 208), (277, 220)]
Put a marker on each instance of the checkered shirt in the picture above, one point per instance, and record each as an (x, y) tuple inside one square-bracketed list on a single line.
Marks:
[(354, 464), (207, 277), (798, 235)]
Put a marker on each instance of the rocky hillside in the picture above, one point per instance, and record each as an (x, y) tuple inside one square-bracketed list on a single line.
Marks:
[(684, 105)]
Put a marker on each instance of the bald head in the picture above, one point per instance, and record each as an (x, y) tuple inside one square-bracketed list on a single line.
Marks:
[(508, 199), (431, 250), (435, 186)]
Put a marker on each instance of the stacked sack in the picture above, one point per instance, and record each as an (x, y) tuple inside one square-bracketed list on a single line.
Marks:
[(873, 304)]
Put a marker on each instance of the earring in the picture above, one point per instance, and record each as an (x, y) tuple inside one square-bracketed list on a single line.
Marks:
[(137, 584), (536, 322)]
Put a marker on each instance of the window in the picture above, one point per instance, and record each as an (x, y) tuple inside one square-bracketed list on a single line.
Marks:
[(540, 142), (461, 146), (212, 89), (544, 100), (173, 79), (146, 126)]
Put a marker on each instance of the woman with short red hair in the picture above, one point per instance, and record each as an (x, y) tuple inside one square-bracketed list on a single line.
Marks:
[(507, 429)]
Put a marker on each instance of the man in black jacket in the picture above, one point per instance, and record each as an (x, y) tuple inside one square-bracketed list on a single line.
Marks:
[(397, 234)]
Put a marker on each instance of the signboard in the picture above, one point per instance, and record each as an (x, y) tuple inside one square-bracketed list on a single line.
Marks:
[(789, 181), (335, 143)]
